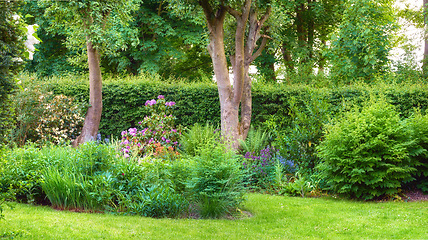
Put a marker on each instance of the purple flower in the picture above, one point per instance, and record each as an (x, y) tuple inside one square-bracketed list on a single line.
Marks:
[(126, 142), (150, 102), (163, 138), (133, 131), (174, 130), (126, 155), (161, 97), (124, 133), (170, 104), (168, 141)]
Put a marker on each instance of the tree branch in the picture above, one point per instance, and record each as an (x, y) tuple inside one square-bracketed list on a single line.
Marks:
[(260, 50), (232, 11), (265, 16), (208, 11)]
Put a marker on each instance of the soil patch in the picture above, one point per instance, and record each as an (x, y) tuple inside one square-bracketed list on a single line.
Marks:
[(416, 195)]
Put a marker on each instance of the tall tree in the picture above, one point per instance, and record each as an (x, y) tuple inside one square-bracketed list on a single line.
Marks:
[(168, 44), (91, 21), (360, 48), (304, 37), (12, 53), (247, 25)]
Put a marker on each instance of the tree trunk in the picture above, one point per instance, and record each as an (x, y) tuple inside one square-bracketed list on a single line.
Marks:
[(240, 95), (286, 56), (93, 115)]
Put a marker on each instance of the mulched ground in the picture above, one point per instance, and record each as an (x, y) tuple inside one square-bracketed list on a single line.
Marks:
[(416, 195)]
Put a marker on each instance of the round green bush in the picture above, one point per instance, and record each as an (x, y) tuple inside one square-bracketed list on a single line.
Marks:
[(366, 153)]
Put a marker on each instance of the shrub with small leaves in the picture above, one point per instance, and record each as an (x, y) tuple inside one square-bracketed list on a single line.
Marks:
[(61, 120), (366, 153)]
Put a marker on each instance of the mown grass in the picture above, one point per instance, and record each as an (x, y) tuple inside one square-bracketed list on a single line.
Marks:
[(274, 217)]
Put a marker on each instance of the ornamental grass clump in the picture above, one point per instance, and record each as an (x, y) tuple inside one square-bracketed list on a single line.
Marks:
[(157, 135), (365, 155)]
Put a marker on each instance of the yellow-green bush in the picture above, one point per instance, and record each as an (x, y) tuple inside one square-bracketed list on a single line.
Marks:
[(366, 153)]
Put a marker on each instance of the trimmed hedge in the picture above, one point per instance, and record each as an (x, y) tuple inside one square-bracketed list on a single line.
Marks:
[(124, 99)]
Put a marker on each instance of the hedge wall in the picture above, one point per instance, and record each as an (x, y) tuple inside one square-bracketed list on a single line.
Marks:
[(124, 99)]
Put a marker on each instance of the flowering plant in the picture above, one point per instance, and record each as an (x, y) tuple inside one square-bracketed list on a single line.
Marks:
[(61, 120), (157, 136), (260, 166)]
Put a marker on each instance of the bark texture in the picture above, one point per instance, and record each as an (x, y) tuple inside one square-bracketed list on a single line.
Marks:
[(239, 96), (93, 115)]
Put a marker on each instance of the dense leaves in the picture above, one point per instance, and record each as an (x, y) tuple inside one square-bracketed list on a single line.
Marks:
[(366, 154), (12, 55)]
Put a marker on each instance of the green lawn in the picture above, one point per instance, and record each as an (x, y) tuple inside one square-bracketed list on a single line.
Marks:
[(274, 217)]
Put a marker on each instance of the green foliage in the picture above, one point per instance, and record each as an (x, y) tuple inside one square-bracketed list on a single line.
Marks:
[(366, 153), (360, 48), (216, 183), (158, 201), (256, 140), (297, 185), (41, 117), (12, 53), (22, 170), (298, 136), (123, 105), (419, 126), (65, 189), (260, 168), (197, 137)]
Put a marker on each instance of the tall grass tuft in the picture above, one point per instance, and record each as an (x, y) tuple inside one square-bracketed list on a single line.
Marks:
[(66, 189)]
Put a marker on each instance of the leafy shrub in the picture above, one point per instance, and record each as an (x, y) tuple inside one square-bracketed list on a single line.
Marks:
[(61, 120), (28, 111), (299, 141), (197, 137), (145, 188), (419, 126), (42, 117), (297, 185), (366, 153), (158, 201), (216, 185), (92, 158), (159, 136)]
